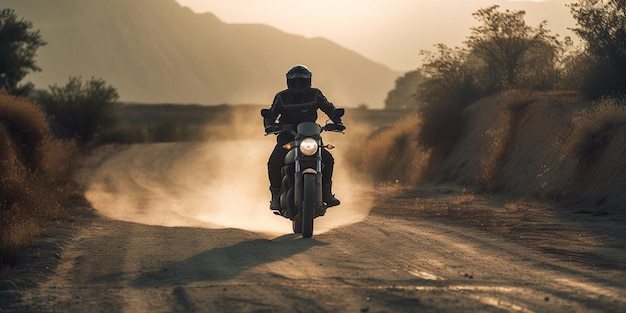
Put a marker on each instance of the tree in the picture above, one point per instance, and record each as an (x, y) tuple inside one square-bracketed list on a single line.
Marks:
[(501, 53), (449, 78), (404, 95), (18, 47), (83, 109), (510, 53), (601, 27)]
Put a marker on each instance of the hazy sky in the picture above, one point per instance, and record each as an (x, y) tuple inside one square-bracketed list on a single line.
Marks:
[(391, 32)]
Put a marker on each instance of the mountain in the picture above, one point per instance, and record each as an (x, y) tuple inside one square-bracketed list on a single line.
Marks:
[(156, 51)]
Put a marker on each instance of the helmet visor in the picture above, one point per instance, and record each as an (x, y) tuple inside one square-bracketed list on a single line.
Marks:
[(299, 83)]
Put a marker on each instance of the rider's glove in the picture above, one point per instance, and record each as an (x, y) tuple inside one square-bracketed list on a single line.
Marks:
[(338, 127), (272, 129)]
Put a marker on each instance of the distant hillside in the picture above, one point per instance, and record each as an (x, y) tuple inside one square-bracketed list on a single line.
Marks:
[(157, 51)]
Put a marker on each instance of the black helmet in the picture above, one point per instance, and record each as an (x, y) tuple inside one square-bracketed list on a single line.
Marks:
[(299, 78)]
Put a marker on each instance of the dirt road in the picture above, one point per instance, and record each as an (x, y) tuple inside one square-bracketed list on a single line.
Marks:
[(173, 235)]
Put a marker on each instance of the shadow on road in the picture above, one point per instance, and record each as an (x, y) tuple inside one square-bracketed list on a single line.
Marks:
[(225, 262)]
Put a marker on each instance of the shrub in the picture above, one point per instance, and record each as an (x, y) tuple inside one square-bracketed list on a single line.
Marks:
[(392, 154), (27, 126), (591, 126), (85, 110), (441, 127), (35, 168), (448, 88)]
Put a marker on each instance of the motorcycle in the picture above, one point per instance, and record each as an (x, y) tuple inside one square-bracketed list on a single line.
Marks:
[(301, 188)]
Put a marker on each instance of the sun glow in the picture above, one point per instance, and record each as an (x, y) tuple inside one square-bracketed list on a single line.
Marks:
[(390, 32)]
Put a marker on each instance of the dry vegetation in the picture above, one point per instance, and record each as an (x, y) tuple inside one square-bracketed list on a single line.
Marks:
[(486, 156), (393, 154), (592, 126), (551, 145), (500, 134), (35, 168)]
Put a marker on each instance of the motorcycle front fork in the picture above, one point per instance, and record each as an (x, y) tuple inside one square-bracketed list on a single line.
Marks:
[(299, 187)]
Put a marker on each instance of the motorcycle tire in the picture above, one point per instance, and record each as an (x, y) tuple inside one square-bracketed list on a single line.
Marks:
[(296, 224), (308, 205)]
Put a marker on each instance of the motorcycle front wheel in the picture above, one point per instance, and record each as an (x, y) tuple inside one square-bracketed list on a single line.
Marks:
[(296, 224), (308, 205)]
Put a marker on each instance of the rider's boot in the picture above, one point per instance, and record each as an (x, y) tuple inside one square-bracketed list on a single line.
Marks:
[(275, 202), (328, 196)]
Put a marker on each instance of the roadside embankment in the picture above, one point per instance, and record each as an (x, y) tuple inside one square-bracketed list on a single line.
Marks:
[(553, 146)]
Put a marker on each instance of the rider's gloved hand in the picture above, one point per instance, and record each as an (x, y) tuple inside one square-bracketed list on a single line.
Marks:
[(336, 126), (272, 129)]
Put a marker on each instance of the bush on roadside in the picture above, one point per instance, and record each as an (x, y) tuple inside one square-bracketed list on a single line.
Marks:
[(84, 109), (392, 154), (34, 183), (449, 87), (591, 126)]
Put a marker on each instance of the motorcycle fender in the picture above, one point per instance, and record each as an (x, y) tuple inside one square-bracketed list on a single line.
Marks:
[(309, 171)]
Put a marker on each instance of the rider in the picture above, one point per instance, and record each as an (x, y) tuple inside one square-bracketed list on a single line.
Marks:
[(296, 104)]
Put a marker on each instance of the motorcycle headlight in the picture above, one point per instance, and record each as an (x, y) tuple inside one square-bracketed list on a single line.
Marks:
[(308, 146)]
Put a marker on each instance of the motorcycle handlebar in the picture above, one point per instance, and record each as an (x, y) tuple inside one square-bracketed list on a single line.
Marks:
[(327, 127), (334, 128)]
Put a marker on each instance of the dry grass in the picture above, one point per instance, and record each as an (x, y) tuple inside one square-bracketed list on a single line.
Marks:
[(554, 146), (393, 154), (592, 127), (35, 171), (516, 100), (501, 134), (463, 198)]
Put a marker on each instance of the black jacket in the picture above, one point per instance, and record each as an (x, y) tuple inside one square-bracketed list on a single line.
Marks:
[(291, 108)]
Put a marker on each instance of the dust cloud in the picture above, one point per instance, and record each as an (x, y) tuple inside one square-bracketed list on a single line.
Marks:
[(216, 184)]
